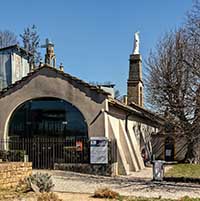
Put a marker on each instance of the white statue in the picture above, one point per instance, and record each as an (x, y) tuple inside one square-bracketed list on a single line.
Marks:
[(136, 43)]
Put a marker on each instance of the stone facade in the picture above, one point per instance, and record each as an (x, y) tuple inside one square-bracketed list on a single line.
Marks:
[(12, 172)]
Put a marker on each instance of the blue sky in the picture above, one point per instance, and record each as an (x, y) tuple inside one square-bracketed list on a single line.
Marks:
[(94, 38)]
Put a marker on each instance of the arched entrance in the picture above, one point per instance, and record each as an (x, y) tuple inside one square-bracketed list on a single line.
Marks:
[(49, 130), (47, 117)]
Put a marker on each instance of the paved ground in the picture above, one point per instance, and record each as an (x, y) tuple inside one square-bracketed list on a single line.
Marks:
[(137, 184), (78, 197)]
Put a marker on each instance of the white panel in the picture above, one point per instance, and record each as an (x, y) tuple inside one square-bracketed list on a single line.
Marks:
[(20, 67), (5, 70)]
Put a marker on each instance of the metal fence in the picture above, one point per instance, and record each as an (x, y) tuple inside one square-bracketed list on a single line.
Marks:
[(45, 152)]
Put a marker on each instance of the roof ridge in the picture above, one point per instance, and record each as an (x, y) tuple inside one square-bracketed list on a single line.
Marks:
[(76, 79), (16, 46), (79, 81), (137, 109)]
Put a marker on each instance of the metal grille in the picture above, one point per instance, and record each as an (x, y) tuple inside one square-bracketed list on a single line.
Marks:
[(44, 152)]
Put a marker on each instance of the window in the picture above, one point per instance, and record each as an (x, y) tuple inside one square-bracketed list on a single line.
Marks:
[(47, 117), (141, 97)]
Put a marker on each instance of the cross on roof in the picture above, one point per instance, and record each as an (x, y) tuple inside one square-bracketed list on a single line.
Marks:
[(48, 43)]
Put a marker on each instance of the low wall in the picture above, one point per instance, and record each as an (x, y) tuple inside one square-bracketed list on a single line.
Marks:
[(104, 170), (12, 172)]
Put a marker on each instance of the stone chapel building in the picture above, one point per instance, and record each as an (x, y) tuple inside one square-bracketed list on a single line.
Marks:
[(47, 102)]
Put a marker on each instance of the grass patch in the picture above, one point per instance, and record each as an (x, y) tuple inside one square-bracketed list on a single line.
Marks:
[(147, 199), (186, 198), (184, 170)]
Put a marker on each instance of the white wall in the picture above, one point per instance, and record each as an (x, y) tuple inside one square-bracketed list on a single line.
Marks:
[(131, 134)]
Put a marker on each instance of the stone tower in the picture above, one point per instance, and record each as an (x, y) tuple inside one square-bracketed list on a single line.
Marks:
[(135, 83), (50, 57)]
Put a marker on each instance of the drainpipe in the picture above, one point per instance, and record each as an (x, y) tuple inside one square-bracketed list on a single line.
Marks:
[(126, 122), (105, 112)]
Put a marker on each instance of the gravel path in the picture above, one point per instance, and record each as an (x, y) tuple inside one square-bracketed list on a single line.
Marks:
[(132, 185)]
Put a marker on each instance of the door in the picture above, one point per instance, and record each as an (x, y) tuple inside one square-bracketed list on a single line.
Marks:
[(169, 149)]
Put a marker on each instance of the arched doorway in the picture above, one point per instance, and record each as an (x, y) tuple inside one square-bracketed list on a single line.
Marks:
[(47, 117), (49, 130)]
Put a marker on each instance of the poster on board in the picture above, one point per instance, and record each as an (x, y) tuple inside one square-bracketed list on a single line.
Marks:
[(98, 150)]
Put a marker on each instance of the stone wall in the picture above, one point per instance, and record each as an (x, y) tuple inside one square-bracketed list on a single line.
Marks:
[(12, 172)]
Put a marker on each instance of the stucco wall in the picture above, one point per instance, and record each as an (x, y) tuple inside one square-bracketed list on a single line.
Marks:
[(141, 127), (158, 146), (132, 133), (48, 83)]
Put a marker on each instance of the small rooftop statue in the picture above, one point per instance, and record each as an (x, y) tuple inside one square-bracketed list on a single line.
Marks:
[(50, 57), (136, 43)]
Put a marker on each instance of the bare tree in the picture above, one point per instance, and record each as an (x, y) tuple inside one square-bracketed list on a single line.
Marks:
[(192, 31), (7, 38), (173, 81), (176, 86), (31, 40), (172, 86)]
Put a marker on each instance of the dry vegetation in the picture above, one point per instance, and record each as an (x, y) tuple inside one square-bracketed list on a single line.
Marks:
[(100, 194), (13, 195), (106, 193), (48, 197)]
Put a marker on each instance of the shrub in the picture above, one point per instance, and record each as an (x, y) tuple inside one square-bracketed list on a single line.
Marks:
[(105, 193), (40, 182), (48, 197), (12, 155)]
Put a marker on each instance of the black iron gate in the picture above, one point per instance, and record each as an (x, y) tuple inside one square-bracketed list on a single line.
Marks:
[(45, 152)]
